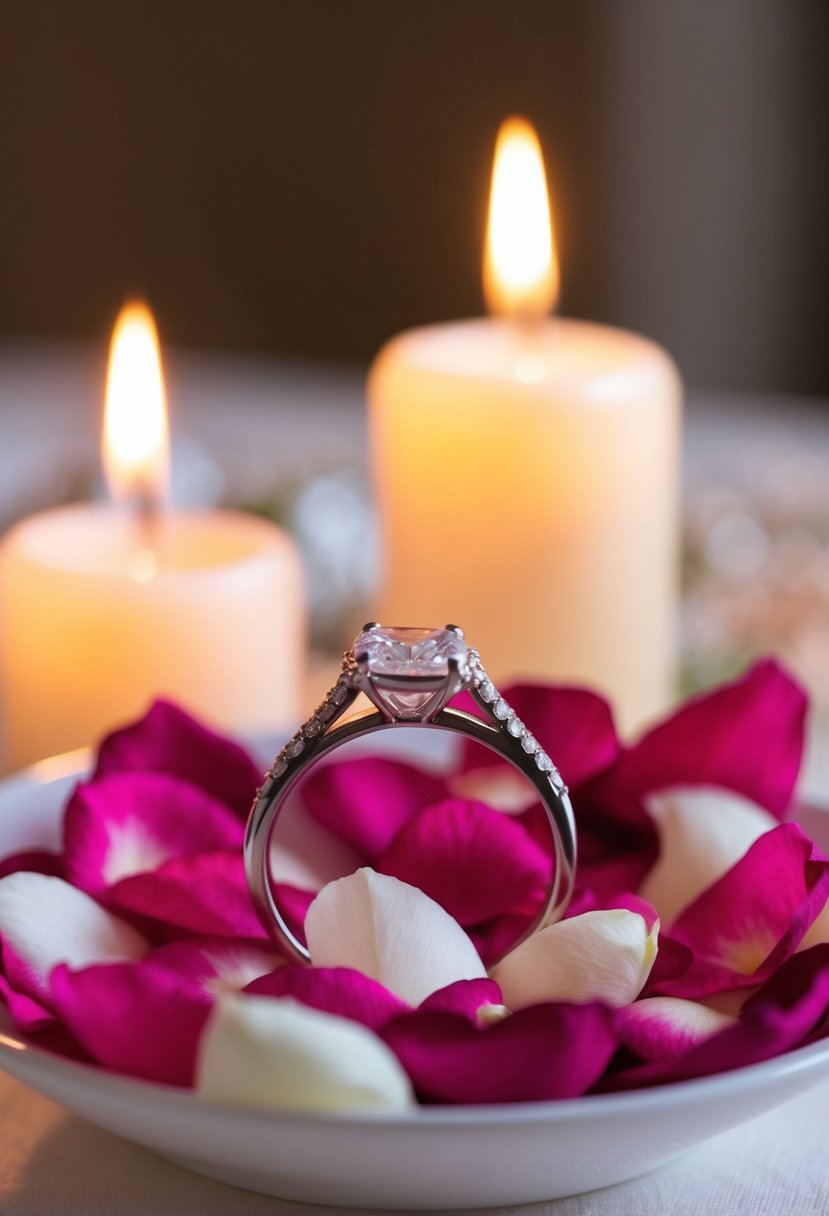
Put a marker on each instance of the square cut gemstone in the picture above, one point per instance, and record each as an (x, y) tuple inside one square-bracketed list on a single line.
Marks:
[(410, 651), (398, 654)]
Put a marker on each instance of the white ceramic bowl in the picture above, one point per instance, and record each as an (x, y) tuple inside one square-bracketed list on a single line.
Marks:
[(435, 1158)]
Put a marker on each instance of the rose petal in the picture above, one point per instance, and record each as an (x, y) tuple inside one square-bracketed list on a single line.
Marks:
[(28, 1015), (206, 894), (38, 861), (167, 740), (145, 1018), (141, 1020), (573, 725), (790, 1009), (45, 921), (367, 801), (703, 832), (753, 918), (598, 956), (498, 786), (276, 1054), (131, 823), (305, 854), (747, 736), (391, 932), (466, 997), (549, 1051), (666, 1027), (473, 861), (338, 990)]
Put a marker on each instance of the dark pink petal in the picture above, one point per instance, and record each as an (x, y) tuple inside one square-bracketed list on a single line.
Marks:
[(28, 1015), (146, 1018), (294, 902), (216, 964), (742, 928), (131, 823), (546, 1051), (586, 900), (206, 894), (40, 861), (339, 990), (464, 997), (167, 740), (134, 1018), (475, 862), (366, 802), (747, 736), (494, 938), (664, 1028), (574, 725), (791, 1009)]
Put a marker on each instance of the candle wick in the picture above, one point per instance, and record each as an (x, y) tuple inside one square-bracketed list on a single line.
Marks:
[(147, 513), (530, 362)]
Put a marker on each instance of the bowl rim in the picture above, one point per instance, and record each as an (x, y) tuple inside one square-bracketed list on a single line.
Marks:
[(586, 1106)]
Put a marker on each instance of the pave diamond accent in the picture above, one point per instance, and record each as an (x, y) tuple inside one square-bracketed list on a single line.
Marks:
[(506, 718)]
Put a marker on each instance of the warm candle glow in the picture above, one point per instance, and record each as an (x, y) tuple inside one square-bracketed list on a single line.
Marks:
[(521, 275), (136, 439)]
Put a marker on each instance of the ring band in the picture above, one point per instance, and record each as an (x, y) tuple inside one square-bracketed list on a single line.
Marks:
[(409, 675)]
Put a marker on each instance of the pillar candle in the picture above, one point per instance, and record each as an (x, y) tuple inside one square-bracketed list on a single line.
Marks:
[(526, 471), (104, 607)]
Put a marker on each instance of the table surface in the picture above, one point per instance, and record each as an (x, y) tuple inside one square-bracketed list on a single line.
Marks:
[(52, 1162)]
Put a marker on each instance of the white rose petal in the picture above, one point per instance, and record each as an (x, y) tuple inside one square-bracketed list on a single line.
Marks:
[(391, 932), (46, 921), (598, 956), (703, 832), (275, 1053)]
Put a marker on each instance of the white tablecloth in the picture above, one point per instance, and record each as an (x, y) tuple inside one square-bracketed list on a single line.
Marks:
[(53, 1164)]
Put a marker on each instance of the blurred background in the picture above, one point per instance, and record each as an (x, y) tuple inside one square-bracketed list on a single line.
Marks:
[(307, 179), (291, 184)]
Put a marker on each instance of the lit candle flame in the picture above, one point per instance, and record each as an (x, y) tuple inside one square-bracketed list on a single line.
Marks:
[(521, 277), (136, 443)]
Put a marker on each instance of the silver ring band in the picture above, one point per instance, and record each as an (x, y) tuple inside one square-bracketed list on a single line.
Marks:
[(406, 700)]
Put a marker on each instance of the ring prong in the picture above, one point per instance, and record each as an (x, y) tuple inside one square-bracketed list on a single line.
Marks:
[(456, 629), (369, 625), (362, 662)]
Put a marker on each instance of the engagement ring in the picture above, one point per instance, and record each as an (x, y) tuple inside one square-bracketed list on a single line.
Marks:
[(410, 675)]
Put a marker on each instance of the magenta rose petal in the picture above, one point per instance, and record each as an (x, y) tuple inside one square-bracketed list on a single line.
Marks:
[(544, 1052), (130, 823), (168, 740), (38, 861), (747, 736), (573, 725), (338, 990), (666, 1027), (753, 918), (475, 862), (28, 1015), (465, 997), (366, 802), (146, 1018), (206, 895), (789, 1010), (141, 1020)]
